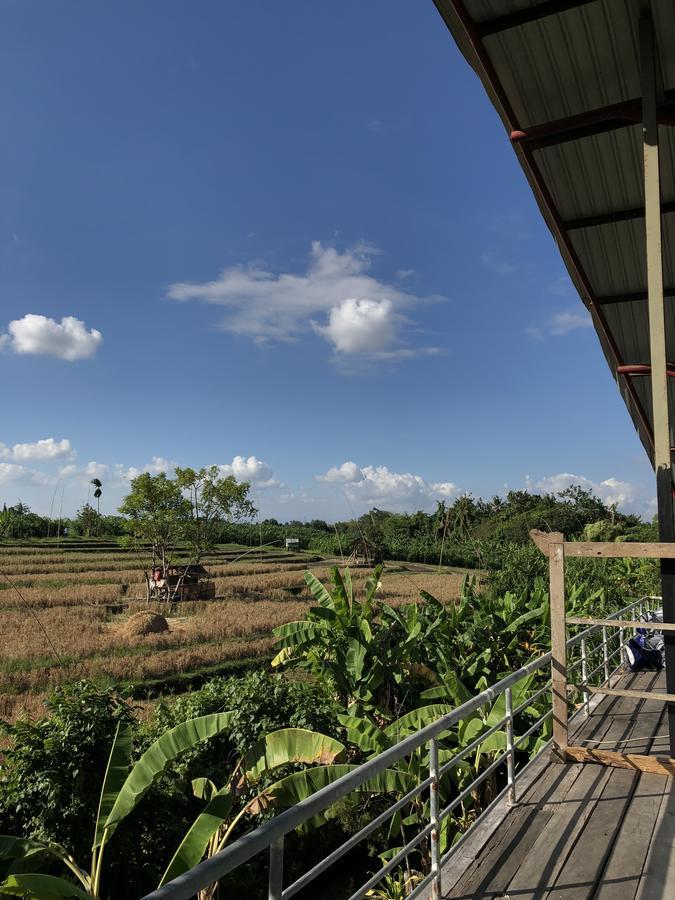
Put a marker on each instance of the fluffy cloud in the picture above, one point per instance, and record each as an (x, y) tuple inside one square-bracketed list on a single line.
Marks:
[(47, 448), (360, 326), (156, 465), (630, 497), (347, 473), (378, 485), (11, 472), (561, 323), (360, 313), (68, 339), (250, 468), (92, 469)]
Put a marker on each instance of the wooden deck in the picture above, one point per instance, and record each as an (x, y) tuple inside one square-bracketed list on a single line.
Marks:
[(583, 830)]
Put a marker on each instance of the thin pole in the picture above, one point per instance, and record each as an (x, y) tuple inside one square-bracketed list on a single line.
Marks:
[(558, 644), (276, 880), (584, 676), (434, 814), (657, 343), (510, 747)]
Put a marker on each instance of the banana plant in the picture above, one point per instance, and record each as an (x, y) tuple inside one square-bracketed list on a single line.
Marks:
[(370, 652), (215, 825), (122, 790)]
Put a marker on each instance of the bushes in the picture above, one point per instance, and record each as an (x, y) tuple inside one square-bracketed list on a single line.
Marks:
[(50, 779)]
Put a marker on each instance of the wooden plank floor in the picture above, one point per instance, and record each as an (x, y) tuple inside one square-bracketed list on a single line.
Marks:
[(583, 830)]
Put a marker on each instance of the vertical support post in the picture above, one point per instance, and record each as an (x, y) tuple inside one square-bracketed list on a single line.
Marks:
[(657, 343), (584, 676), (622, 652), (510, 748), (276, 881), (605, 655), (556, 566), (434, 814)]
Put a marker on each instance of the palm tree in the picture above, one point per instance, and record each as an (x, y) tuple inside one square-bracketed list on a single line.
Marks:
[(98, 484)]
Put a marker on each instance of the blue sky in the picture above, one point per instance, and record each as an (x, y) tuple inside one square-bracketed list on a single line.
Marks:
[(291, 240)]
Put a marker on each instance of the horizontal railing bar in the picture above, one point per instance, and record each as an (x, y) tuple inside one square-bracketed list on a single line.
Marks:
[(613, 654), (533, 728), (328, 861), (458, 757), (393, 862), (623, 623), (619, 550), (576, 638), (620, 692), (474, 784), (545, 690), (595, 670)]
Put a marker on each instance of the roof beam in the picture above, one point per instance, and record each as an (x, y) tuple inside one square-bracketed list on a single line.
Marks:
[(593, 121), (630, 298), (523, 16), (619, 215)]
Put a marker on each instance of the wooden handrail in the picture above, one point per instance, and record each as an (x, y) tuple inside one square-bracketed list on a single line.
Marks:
[(603, 549)]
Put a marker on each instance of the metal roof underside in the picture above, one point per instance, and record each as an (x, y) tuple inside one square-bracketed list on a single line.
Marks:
[(565, 76)]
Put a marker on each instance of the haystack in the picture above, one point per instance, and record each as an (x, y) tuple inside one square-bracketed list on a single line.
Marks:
[(144, 623)]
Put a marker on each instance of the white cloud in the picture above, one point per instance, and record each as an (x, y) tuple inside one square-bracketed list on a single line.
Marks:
[(46, 448), (11, 472), (561, 287), (564, 322), (156, 465), (362, 314), (250, 468), (628, 496), (347, 473), (561, 323), (67, 340), (379, 485), (92, 469), (497, 264), (360, 326)]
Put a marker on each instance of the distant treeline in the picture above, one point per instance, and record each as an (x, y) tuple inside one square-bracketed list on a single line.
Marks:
[(467, 532)]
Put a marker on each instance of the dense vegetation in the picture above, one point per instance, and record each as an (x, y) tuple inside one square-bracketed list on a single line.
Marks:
[(464, 533), (355, 672)]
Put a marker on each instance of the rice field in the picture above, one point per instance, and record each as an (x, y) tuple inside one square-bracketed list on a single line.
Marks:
[(56, 628)]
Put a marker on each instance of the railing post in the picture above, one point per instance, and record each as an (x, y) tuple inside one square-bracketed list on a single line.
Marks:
[(510, 748), (276, 882), (622, 654), (584, 676), (605, 655), (556, 563), (434, 814)]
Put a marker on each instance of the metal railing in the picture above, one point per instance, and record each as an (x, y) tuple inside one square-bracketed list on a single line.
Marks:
[(270, 836)]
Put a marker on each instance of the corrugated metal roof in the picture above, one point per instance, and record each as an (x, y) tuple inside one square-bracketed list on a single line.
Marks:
[(542, 63)]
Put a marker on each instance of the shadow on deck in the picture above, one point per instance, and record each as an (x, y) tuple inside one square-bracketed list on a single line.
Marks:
[(583, 830)]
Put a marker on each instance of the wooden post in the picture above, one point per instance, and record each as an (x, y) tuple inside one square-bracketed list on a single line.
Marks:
[(657, 341), (556, 563)]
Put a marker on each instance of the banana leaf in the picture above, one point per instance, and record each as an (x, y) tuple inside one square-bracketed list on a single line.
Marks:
[(41, 887), (364, 734), (160, 755), (115, 776), (194, 844), (318, 591), (290, 745), (300, 785), (416, 719), (26, 852)]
